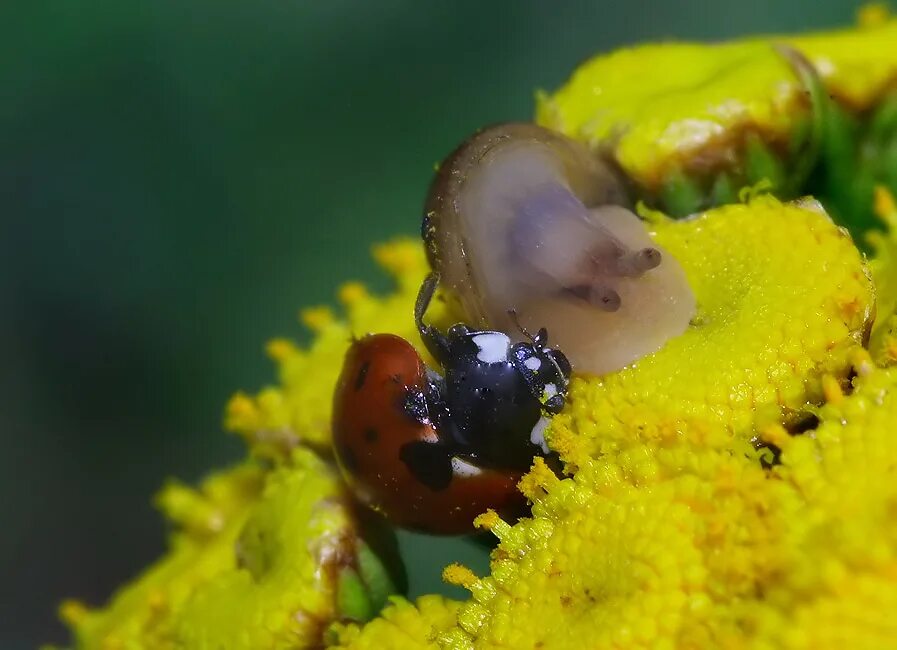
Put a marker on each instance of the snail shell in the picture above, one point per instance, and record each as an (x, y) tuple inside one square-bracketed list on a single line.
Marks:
[(522, 222)]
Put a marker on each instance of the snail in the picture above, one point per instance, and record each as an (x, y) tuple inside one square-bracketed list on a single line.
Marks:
[(529, 228)]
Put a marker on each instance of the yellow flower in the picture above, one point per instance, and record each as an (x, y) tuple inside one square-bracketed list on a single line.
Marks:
[(401, 626), (727, 115), (679, 545), (254, 564), (668, 525), (734, 489)]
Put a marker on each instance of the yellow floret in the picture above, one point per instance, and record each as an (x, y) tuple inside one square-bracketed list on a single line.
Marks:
[(783, 298), (401, 626)]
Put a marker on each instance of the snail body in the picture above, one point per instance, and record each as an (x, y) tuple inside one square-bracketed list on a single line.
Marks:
[(525, 224)]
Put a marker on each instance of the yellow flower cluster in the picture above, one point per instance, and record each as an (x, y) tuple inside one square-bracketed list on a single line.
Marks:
[(717, 99), (784, 299), (253, 564), (736, 489), (670, 532), (681, 546), (717, 94)]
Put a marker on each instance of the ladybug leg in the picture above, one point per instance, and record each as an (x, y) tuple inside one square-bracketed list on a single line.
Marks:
[(561, 363), (426, 404), (538, 379), (562, 373), (437, 404), (415, 406), (555, 404), (530, 376), (437, 343)]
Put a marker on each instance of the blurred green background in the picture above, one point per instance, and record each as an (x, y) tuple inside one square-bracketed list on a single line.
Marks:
[(178, 178)]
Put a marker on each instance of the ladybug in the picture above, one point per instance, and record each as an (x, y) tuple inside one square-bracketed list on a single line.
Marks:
[(431, 451)]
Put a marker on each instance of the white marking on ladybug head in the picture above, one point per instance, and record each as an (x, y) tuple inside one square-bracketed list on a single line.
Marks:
[(492, 346), (464, 469), (533, 363), (550, 391), (537, 435)]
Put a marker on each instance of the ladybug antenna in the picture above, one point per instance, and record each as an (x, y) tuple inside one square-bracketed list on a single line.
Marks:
[(557, 366), (516, 320), (540, 340)]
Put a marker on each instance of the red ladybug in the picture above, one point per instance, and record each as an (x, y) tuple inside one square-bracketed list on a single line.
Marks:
[(431, 452), (397, 465)]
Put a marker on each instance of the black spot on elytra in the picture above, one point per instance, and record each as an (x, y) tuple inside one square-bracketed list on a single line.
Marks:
[(362, 375), (370, 435), (429, 462)]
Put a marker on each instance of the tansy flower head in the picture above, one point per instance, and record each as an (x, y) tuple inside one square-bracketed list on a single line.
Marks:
[(733, 489)]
